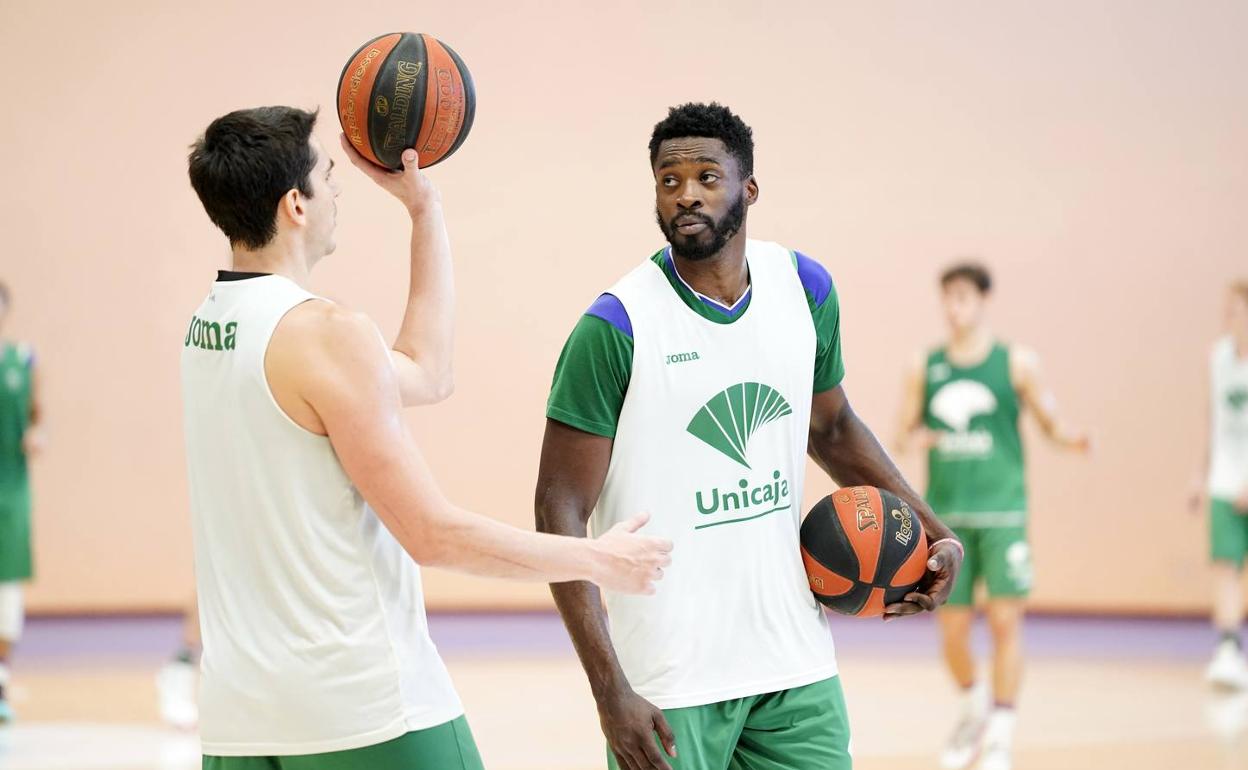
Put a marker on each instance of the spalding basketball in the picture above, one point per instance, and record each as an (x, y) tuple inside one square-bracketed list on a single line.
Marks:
[(406, 90), (863, 549)]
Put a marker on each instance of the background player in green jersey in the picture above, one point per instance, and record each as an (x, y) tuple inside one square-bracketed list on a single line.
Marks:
[(20, 439), (1224, 481), (962, 404)]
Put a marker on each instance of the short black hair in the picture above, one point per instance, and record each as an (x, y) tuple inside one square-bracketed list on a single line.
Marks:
[(243, 165), (968, 271), (713, 121)]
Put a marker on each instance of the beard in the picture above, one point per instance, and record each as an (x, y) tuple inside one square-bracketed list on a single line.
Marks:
[(693, 248)]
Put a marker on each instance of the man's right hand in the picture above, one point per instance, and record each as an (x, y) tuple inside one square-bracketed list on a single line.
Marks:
[(410, 186), (630, 723), (627, 562)]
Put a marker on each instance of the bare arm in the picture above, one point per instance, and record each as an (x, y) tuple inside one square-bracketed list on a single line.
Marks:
[(332, 375), (850, 454), (422, 350), (570, 478), (1200, 479), (910, 428), (1040, 401)]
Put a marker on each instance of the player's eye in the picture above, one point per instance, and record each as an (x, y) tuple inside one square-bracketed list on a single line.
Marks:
[(709, 178), (669, 181)]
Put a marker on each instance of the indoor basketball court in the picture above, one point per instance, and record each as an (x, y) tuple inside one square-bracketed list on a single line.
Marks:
[(1003, 241)]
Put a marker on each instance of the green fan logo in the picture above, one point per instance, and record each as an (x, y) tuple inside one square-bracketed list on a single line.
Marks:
[(1237, 398), (732, 416)]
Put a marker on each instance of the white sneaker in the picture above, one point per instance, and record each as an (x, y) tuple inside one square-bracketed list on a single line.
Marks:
[(1228, 670), (176, 685), (999, 741), (964, 745)]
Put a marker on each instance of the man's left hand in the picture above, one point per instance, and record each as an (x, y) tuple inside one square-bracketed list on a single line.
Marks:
[(943, 562)]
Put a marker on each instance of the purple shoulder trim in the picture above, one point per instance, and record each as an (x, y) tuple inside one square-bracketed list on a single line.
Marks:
[(814, 276), (609, 308)]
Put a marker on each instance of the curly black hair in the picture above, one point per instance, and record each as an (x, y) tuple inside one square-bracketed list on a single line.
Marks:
[(974, 272), (713, 121)]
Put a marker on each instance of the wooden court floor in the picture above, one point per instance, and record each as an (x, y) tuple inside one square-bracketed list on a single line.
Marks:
[(532, 711)]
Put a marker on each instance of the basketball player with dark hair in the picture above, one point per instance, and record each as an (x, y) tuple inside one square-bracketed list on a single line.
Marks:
[(21, 438), (700, 380), (962, 404), (311, 502), (1224, 481)]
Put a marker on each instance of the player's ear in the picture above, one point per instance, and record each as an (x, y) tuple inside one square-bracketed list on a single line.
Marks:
[(751, 190), (292, 206)]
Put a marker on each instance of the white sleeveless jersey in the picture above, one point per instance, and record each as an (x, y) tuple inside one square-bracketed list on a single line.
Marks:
[(1228, 451), (711, 441), (313, 619)]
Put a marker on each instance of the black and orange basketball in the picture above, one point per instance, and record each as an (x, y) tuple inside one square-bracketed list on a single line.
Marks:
[(863, 549), (406, 90)]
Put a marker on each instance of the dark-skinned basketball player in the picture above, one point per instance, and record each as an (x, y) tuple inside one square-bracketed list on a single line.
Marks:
[(694, 389)]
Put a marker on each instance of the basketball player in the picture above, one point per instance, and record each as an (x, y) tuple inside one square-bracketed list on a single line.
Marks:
[(962, 404), (690, 390), (21, 437), (311, 502), (1224, 479)]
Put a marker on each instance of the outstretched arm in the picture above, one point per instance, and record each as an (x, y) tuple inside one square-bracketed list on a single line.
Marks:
[(33, 436), (422, 350), (331, 373), (1040, 401), (569, 481), (850, 454)]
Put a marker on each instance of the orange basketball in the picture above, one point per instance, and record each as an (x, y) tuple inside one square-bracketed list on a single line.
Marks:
[(863, 548), (406, 90)]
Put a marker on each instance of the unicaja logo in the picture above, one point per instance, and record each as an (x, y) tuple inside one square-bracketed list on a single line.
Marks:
[(728, 420)]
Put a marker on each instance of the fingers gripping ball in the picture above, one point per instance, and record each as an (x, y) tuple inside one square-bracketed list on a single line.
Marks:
[(863, 549), (406, 90)]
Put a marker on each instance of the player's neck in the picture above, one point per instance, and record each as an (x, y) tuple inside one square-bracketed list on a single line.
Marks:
[(278, 257), (970, 344), (723, 277), (1240, 337)]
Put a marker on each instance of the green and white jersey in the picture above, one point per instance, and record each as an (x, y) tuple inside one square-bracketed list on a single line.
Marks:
[(709, 408), (313, 618), (1228, 451), (16, 367), (975, 471)]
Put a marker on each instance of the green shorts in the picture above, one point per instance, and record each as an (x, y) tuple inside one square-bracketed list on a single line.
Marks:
[(1228, 532), (804, 728), (999, 555), (448, 746)]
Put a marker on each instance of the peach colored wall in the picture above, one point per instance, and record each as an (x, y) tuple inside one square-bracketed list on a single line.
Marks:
[(1094, 153)]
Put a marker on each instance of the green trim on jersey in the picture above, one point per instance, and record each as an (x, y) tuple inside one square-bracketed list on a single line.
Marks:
[(976, 469), (595, 366)]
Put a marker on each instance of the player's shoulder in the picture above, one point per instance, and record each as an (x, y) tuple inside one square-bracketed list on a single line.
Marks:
[(815, 278), (608, 309), (24, 351), (319, 327)]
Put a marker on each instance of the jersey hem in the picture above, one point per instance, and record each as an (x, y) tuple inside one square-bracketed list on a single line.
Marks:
[(401, 726), (689, 700), (589, 426)]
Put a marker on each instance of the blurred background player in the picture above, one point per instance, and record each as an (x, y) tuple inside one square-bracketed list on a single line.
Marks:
[(654, 403), (20, 439), (178, 680), (962, 403), (1224, 479)]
